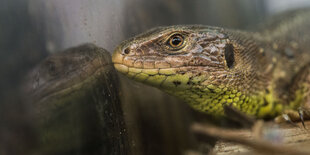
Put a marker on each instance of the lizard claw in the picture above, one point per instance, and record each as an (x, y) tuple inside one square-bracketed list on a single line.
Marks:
[(292, 116), (301, 115), (287, 118)]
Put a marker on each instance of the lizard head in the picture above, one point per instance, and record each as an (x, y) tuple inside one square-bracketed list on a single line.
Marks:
[(190, 61), (66, 74)]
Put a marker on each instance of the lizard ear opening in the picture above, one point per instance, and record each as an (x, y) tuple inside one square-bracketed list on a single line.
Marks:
[(229, 55)]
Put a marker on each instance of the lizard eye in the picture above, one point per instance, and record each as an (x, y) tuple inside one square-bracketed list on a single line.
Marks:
[(176, 41)]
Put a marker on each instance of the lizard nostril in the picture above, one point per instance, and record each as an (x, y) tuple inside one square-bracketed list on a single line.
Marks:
[(126, 51)]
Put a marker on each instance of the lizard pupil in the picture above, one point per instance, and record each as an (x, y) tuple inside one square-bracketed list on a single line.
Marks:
[(176, 41)]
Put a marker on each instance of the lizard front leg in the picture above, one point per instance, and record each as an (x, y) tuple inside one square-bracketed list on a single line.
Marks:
[(299, 98)]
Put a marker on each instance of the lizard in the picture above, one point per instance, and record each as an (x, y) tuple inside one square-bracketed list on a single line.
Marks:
[(71, 95), (263, 73)]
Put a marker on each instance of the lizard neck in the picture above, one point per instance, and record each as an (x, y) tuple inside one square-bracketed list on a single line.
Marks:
[(211, 99)]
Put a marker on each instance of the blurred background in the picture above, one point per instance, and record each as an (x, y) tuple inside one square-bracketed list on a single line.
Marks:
[(30, 30)]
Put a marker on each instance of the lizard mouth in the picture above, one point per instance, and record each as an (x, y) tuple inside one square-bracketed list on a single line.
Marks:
[(127, 70), (156, 72), (126, 66), (176, 79)]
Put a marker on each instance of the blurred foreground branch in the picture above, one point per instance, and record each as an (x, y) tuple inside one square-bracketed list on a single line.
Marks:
[(292, 139)]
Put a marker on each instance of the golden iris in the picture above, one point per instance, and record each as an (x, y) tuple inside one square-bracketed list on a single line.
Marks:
[(176, 41)]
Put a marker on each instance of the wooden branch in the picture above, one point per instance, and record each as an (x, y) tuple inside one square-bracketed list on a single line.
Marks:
[(292, 139)]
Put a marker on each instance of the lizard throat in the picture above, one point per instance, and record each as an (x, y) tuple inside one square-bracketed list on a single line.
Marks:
[(199, 92)]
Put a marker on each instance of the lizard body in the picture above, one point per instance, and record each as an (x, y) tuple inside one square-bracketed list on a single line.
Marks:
[(260, 73)]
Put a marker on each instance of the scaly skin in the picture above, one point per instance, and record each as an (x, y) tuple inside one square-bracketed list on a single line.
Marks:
[(213, 67)]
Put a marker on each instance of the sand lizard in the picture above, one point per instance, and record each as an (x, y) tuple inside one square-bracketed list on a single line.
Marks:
[(262, 73)]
